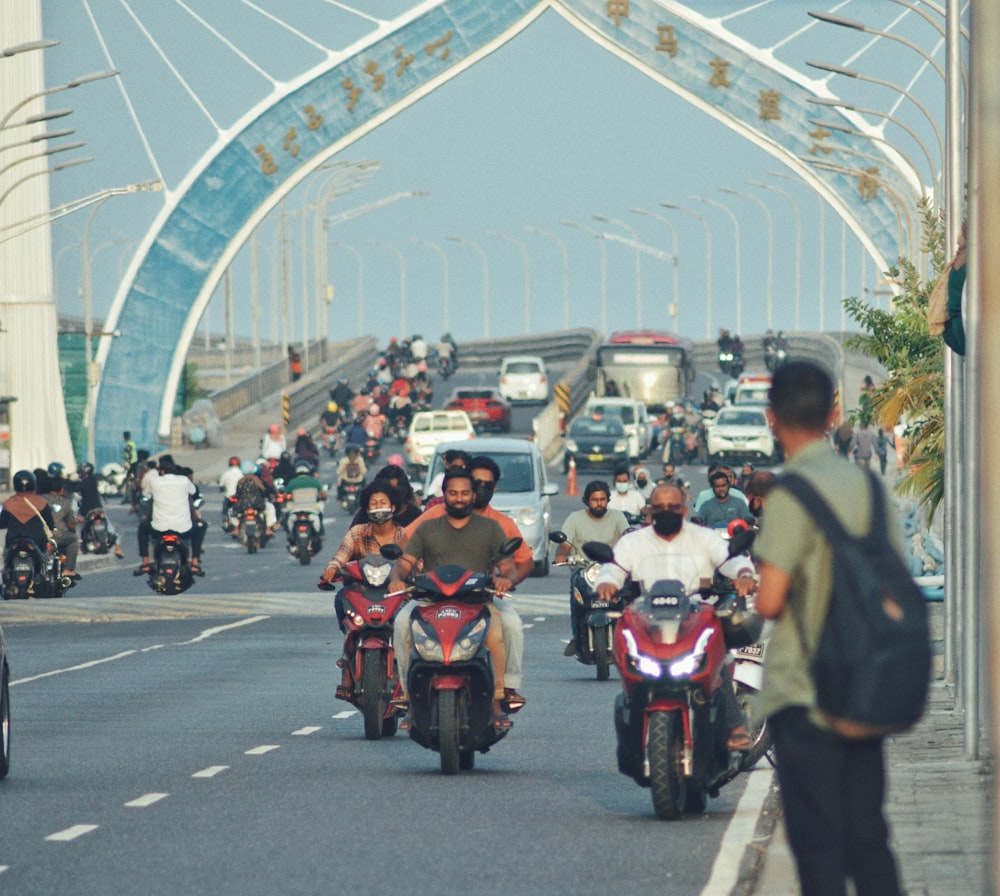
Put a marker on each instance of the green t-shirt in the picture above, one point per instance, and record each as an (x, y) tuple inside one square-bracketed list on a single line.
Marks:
[(791, 541), (580, 527), (438, 543)]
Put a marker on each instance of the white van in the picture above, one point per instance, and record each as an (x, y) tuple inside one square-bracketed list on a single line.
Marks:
[(523, 378), (633, 415)]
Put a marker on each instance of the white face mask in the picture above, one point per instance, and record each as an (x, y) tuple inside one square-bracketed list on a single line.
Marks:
[(621, 487)]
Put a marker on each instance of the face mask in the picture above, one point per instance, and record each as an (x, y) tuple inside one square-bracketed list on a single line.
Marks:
[(641, 481), (599, 511), (382, 515), (621, 487), (666, 522), (482, 494), (458, 513)]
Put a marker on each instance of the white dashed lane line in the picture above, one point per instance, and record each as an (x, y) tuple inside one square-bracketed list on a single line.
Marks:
[(261, 750), (345, 714), (309, 729), (147, 799), (71, 833), (210, 772)]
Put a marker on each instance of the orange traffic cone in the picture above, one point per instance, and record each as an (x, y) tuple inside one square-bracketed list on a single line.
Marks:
[(572, 488)]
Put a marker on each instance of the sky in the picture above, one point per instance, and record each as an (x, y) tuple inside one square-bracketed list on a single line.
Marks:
[(549, 128)]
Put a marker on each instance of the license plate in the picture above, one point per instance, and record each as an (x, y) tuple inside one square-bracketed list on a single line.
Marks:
[(751, 650), (599, 604), (595, 458)]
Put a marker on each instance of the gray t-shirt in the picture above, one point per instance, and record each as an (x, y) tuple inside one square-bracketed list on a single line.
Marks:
[(580, 527), (438, 543)]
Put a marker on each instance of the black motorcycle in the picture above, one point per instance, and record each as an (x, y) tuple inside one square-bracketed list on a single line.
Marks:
[(303, 539), (171, 569), (31, 572), (94, 535)]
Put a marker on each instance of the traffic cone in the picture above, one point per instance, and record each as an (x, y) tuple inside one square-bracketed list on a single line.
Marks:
[(572, 488)]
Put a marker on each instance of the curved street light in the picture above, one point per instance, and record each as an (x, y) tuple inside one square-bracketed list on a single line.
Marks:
[(638, 263), (361, 283), (527, 274), (486, 280), (708, 263), (403, 329), (69, 85), (445, 308), (798, 246), (38, 138), (770, 248), (822, 244), (28, 47), (51, 170), (604, 268), (565, 270), (739, 279)]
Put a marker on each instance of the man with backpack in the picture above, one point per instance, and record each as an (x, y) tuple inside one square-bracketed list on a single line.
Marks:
[(832, 780)]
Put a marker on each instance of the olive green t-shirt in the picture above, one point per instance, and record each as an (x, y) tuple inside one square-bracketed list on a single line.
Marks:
[(438, 543), (791, 541)]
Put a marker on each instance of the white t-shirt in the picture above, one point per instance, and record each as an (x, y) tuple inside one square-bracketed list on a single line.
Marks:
[(631, 502), (228, 480), (171, 505)]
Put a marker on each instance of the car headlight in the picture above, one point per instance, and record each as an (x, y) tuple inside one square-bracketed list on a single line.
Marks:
[(571, 446), (645, 665), (690, 663), (468, 645), (426, 644), (525, 517), (621, 445)]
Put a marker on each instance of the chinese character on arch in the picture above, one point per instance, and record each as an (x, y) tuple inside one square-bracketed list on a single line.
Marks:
[(720, 73), (667, 40), (770, 101), (617, 10)]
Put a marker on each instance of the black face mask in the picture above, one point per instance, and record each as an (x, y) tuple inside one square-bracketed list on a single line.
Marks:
[(382, 515), (667, 522), (458, 513), (482, 493), (599, 511)]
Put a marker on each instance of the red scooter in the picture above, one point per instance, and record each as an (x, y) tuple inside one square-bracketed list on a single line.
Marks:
[(368, 617), (669, 717), (450, 680)]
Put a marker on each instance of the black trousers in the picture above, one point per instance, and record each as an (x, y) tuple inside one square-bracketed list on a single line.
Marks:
[(832, 790)]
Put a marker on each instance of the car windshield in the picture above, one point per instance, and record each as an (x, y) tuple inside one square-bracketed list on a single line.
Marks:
[(741, 418), (523, 367), (611, 427), (473, 394), (625, 413), (440, 421), (515, 470)]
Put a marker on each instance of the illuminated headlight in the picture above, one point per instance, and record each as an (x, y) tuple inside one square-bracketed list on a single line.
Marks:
[(525, 516), (645, 665), (426, 644), (621, 445), (571, 446), (467, 646), (591, 573), (376, 575), (690, 663)]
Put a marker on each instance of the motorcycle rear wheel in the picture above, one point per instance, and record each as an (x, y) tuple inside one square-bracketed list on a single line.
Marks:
[(760, 734), (304, 555), (666, 773), (601, 659), (449, 731), (373, 701)]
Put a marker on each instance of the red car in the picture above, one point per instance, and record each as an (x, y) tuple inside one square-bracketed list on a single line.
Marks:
[(486, 408)]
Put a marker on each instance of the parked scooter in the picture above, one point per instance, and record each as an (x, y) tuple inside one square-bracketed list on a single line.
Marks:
[(595, 618), (450, 680), (368, 651), (33, 571), (669, 720)]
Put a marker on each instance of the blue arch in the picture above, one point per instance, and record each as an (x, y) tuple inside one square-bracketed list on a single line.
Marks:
[(284, 139)]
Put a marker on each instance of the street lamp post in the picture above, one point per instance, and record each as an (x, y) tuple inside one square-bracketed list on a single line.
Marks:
[(38, 138), (565, 270), (361, 283), (674, 308), (486, 280), (708, 262), (638, 263), (446, 303), (770, 248), (822, 246), (798, 246), (69, 85), (739, 279), (403, 329), (604, 269), (527, 274), (44, 171)]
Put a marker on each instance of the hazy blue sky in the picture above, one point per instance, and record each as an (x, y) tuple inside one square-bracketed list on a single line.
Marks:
[(550, 127)]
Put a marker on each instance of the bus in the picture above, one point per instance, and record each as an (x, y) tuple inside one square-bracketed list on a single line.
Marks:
[(651, 366)]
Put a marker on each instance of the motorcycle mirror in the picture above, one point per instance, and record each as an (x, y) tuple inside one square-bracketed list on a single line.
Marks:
[(742, 541), (391, 551), (509, 546), (599, 552), (557, 537)]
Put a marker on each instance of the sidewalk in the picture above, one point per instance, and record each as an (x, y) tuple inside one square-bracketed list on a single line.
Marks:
[(938, 807)]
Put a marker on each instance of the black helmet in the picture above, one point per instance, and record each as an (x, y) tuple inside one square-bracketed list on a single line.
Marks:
[(24, 481), (86, 469), (56, 468)]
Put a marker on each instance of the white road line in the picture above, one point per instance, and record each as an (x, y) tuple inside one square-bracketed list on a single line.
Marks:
[(540, 619), (210, 772), (4, 868), (107, 659), (261, 750), (208, 632), (345, 714), (310, 729), (739, 834), (78, 830), (154, 647), (141, 802)]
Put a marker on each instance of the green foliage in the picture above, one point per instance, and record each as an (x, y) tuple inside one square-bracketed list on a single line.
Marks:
[(913, 393), (189, 391)]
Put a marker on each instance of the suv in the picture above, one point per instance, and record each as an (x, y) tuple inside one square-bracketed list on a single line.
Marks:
[(523, 378), (633, 415), (752, 388), (428, 429), (522, 493)]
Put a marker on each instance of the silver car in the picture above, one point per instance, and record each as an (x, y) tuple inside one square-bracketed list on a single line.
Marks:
[(523, 491)]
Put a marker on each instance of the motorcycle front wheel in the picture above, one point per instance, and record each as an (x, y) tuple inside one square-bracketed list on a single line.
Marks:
[(666, 771), (760, 734), (601, 658), (373, 702), (449, 731)]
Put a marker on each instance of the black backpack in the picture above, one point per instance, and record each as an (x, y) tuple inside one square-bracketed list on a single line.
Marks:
[(872, 664)]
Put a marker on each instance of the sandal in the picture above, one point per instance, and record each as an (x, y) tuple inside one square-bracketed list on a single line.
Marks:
[(196, 570), (407, 723), (401, 704), (512, 701), (144, 569), (502, 722), (739, 741), (344, 693)]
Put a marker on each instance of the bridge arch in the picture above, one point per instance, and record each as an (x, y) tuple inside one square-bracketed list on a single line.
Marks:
[(282, 140)]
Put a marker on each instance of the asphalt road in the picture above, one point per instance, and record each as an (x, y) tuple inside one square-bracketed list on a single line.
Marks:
[(192, 744)]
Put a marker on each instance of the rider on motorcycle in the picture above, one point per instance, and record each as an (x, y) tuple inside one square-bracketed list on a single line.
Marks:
[(305, 449), (90, 499), (172, 495), (253, 491), (351, 469), (672, 548), (64, 530), (306, 493), (27, 515), (596, 522)]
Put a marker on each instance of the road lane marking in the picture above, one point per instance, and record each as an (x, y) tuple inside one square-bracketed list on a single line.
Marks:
[(210, 772), (77, 830), (739, 834), (4, 868), (147, 799), (208, 632), (345, 714), (154, 647), (92, 663), (309, 729), (262, 749)]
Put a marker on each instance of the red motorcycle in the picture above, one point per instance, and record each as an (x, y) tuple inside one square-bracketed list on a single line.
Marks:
[(450, 680), (669, 717), (368, 617)]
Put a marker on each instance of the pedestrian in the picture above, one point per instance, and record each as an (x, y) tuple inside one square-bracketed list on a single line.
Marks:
[(832, 788), (842, 437), (882, 445), (863, 445), (294, 364)]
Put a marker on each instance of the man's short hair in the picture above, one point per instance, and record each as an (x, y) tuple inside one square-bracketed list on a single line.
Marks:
[(596, 485), (622, 471), (801, 395), (453, 455), (759, 484), (455, 473), (482, 462), (717, 475)]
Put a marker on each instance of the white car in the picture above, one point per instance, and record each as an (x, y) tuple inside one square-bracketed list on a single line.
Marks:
[(428, 429), (741, 433), (523, 378), (633, 415)]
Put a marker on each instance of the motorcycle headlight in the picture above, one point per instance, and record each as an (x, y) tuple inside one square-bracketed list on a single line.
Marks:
[(468, 645), (690, 663), (376, 575), (644, 665), (426, 644), (591, 573)]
